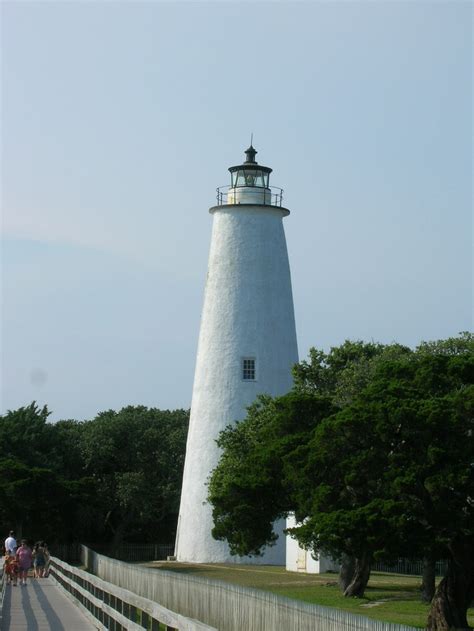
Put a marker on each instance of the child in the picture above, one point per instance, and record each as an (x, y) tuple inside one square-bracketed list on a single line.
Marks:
[(10, 568)]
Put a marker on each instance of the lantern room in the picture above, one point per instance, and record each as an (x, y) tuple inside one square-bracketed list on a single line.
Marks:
[(250, 173), (250, 184)]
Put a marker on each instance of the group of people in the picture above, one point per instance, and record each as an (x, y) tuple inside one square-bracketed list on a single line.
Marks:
[(20, 559)]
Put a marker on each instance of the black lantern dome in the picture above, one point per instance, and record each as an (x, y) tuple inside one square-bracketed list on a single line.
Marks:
[(250, 173)]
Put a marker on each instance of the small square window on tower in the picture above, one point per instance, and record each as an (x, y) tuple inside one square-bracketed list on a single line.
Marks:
[(248, 369)]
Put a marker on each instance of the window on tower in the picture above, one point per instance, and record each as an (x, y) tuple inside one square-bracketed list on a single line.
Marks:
[(248, 369)]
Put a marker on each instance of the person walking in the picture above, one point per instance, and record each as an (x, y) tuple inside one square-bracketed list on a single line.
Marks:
[(39, 559), (10, 543), (47, 558), (24, 557)]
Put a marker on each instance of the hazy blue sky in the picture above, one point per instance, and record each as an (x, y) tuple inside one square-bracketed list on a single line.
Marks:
[(120, 119)]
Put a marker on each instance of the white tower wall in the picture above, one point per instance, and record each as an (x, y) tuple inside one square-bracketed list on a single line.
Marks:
[(247, 313)]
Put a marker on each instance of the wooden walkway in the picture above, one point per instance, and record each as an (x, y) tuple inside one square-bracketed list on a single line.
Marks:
[(41, 606)]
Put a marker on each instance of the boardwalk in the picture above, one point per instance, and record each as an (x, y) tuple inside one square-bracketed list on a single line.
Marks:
[(41, 606)]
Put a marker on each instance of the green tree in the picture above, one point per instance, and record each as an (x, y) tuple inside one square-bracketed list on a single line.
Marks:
[(247, 489), (389, 474), (351, 472), (337, 376), (136, 459), (42, 485), (24, 440), (25, 434), (343, 372)]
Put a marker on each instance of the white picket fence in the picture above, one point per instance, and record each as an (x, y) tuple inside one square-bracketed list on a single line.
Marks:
[(112, 607), (228, 607)]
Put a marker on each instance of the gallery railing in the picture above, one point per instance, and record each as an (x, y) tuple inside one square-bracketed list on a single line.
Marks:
[(271, 196)]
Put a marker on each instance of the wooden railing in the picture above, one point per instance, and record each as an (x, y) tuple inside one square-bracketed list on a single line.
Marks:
[(3, 583), (225, 606), (116, 608)]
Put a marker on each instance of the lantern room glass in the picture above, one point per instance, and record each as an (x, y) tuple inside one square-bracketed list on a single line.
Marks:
[(250, 177)]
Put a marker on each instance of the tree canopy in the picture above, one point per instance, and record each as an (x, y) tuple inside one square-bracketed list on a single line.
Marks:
[(136, 457), (384, 470), (116, 476)]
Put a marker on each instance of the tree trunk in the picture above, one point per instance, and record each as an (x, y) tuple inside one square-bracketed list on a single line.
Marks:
[(117, 531), (428, 579), (116, 542), (456, 590), (356, 587), (346, 573)]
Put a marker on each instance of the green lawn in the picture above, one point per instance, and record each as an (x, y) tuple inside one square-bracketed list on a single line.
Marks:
[(389, 597)]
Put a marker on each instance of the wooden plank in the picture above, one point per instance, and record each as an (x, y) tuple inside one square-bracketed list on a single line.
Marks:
[(40, 605)]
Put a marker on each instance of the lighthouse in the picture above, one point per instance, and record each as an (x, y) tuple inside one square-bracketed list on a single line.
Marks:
[(247, 343)]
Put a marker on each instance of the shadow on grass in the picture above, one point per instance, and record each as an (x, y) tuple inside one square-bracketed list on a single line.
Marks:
[(183, 569), (405, 589)]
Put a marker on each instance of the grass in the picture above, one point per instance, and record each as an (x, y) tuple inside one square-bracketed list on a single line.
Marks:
[(388, 597)]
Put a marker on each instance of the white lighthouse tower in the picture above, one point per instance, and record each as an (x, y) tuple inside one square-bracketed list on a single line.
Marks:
[(247, 343)]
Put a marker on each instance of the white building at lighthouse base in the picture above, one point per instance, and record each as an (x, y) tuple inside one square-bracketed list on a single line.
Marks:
[(300, 560)]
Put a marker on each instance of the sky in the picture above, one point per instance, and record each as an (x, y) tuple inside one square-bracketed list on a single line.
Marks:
[(120, 119)]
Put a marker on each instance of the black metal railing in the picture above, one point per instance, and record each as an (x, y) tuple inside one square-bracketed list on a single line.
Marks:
[(136, 552), (131, 552), (408, 566), (271, 196)]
